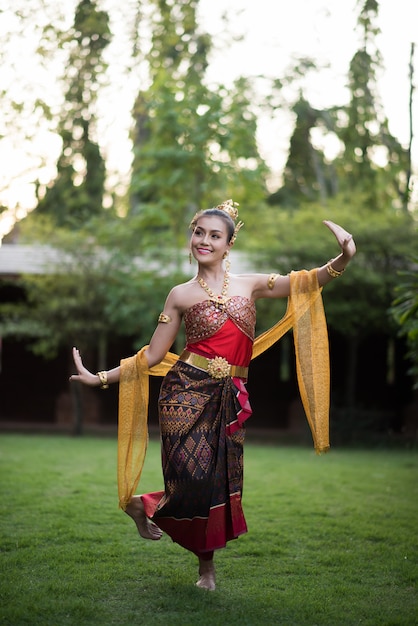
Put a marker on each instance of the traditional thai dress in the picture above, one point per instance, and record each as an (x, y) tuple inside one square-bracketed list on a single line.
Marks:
[(202, 416), (202, 432)]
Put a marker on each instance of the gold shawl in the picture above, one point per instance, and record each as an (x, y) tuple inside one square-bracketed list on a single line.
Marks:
[(305, 314)]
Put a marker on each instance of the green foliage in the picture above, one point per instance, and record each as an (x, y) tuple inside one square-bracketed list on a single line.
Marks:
[(194, 144), (405, 312), (77, 191), (359, 300), (88, 294), (370, 161), (307, 175), (363, 127)]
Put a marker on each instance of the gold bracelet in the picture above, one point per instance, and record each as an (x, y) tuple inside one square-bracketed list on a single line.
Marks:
[(165, 319), (103, 380), (271, 280), (332, 272)]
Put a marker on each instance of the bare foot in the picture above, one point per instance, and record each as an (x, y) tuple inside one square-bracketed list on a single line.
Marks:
[(206, 575), (146, 528)]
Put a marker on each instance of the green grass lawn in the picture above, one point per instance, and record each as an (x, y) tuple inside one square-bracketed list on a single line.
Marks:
[(333, 540)]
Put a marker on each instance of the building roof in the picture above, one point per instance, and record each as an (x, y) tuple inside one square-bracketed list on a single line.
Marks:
[(18, 259)]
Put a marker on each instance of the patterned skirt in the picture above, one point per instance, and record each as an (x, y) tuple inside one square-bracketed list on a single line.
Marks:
[(202, 459)]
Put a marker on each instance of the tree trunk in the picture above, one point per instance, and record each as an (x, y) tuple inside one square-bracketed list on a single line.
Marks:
[(350, 385), (78, 408), (411, 134)]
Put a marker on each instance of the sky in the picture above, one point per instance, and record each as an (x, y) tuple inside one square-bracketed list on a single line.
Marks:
[(273, 32)]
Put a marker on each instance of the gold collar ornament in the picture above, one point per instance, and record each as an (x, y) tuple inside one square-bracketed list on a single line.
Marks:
[(217, 299)]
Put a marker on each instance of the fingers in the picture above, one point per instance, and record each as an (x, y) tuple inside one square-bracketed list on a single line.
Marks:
[(77, 359), (79, 365), (343, 237), (83, 375)]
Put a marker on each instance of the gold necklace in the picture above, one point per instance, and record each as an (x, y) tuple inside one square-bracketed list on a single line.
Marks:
[(219, 299)]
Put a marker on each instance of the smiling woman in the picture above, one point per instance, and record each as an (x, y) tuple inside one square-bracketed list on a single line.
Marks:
[(203, 403)]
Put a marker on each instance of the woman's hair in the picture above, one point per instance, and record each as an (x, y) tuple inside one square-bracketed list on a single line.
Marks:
[(230, 224)]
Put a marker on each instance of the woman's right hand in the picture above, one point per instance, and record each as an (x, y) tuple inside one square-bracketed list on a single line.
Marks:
[(83, 375)]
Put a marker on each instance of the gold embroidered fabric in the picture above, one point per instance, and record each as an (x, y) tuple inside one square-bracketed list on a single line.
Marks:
[(133, 419), (205, 318), (305, 314)]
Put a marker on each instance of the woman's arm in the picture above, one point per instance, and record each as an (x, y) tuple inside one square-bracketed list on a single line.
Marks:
[(165, 333), (161, 341), (335, 267), (277, 286)]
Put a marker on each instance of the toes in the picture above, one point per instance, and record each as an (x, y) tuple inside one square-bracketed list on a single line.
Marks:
[(146, 528), (206, 582)]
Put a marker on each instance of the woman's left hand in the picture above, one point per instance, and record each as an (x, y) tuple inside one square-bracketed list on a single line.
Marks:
[(344, 238)]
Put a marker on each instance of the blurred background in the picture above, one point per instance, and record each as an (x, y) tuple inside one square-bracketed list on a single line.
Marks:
[(121, 120)]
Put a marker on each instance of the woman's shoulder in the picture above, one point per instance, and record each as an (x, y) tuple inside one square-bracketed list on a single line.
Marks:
[(263, 285), (250, 279), (182, 288), (183, 294)]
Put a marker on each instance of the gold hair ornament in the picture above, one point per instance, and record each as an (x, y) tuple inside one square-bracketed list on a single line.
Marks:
[(230, 208)]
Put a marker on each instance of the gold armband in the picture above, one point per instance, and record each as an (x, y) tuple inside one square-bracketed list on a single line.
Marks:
[(103, 380), (332, 272), (271, 280), (165, 319)]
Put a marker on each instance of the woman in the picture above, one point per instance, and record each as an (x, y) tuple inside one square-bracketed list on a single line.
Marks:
[(203, 401)]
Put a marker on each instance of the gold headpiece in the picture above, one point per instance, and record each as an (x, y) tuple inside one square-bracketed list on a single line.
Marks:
[(230, 208)]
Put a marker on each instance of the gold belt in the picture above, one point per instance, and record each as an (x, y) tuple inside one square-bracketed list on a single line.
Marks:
[(218, 367)]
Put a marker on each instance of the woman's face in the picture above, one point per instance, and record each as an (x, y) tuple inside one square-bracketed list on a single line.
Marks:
[(209, 240)]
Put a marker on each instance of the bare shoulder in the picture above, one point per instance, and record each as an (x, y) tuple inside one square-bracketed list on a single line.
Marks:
[(246, 285), (178, 292), (265, 285), (242, 285), (182, 296)]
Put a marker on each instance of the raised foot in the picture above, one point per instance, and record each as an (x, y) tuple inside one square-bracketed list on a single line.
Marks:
[(146, 528)]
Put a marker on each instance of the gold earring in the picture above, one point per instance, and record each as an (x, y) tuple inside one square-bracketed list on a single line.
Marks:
[(227, 261)]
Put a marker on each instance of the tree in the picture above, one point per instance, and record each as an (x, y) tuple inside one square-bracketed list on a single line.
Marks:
[(373, 161), (89, 295), (193, 143), (76, 194), (307, 174), (362, 188), (29, 57), (405, 313), (370, 161)]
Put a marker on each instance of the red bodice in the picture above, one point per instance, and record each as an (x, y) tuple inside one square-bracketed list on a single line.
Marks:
[(226, 330)]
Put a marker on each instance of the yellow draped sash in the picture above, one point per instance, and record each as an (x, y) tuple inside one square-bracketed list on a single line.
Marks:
[(304, 313)]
